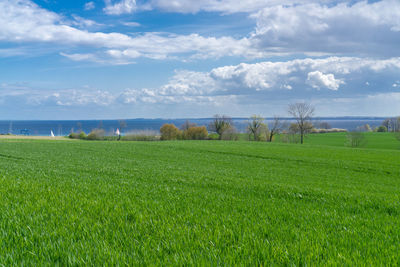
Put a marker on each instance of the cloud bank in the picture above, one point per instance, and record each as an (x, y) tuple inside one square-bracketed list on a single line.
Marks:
[(280, 29)]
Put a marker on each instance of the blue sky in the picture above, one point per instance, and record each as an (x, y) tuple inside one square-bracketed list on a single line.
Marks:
[(110, 59)]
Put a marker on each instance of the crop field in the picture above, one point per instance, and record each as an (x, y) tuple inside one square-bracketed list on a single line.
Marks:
[(372, 140), (197, 203)]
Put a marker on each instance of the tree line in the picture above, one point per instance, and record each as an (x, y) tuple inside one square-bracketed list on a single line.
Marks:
[(223, 129)]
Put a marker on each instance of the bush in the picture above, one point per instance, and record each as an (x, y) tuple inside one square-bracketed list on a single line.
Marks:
[(382, 129), (141, 136), (196, 133), (332, 130), (169, 132), (230, 134), (73, 136), (96, 134), (213, 136), (82, 135)]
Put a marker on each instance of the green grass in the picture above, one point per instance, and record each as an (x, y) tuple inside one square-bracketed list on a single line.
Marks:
[(373, 140), (197, 203)]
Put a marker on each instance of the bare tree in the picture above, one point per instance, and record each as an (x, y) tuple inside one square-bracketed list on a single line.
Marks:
[(276, 127), (187, 124), (220, 124), (302, 113), (325, 125), (355, 139), (392, 124)]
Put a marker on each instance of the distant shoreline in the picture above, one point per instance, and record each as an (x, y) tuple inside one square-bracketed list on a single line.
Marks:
[(34, 137)]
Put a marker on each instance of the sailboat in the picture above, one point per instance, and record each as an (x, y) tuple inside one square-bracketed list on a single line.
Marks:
[(51, 133)]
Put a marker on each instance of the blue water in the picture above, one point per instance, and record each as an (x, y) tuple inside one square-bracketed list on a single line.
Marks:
[(61, 128)]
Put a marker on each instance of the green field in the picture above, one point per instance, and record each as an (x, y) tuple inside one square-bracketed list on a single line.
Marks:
[(197, 202), (372, 140)]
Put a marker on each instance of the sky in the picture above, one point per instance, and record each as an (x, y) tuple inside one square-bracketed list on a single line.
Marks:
[(121, 59)]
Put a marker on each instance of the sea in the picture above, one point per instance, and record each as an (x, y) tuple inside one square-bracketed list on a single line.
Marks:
[(64, 127)]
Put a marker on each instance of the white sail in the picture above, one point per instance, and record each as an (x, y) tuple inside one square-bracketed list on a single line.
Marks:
[(51, 133)]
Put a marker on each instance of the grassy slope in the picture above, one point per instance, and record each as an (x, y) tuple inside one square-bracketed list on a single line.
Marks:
[(193, 202)]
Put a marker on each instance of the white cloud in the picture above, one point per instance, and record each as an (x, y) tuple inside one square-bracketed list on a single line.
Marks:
[(189, 83), (89, 5), (292, 75), (82, 22), (310, 28), (320, 80), (368, 28), (131, 24), (121, 7), (24, 22), (80, 57), (224, 6)]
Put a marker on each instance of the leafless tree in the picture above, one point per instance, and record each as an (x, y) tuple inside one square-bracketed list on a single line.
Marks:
[(325, 125), (302, 113), (220, 124), (187, 124), (275, 128), (392, 124), (355, 139)]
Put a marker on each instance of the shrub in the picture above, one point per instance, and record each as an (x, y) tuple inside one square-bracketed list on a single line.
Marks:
[(141, 136), (82, 135), (196, 133), (73, 136), (230, 134), (332, 130), (213, 136), (382, 129), (96, 134), (169, 132)]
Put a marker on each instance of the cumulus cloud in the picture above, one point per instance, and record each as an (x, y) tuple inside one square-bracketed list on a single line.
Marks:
[(304, 27), (121, 7), (319, 80), (363, 27), (256, 87), (292, 75), (23, 21)]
